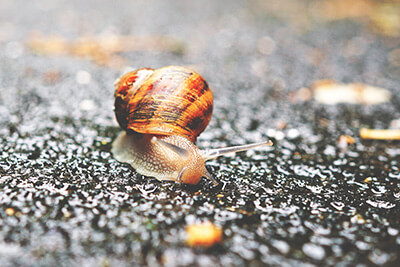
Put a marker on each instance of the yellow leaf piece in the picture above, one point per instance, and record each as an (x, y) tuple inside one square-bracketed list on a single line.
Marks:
[(10, 211), (358, 218), (344, 9), (368, 180), (380, 134), (204, 234), (103, 49), (346, 139), (330, 93), (386, 19)]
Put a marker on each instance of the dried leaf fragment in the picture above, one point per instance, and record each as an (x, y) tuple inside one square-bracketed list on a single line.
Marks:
[(386, 19), (10, 211), (103, 49), (330, 93), (204, 234), (344, 9), (382, 16), (380, 134), (344, 141), (368, 180), (301, 95)]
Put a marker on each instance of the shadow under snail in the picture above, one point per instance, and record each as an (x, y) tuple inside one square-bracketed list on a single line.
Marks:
[(162, 112)]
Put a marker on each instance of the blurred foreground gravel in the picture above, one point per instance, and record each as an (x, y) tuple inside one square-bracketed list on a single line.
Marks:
[(309, 200)]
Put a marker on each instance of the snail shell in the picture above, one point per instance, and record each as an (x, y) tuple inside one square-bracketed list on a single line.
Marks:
[(162, 112), (168, 101)]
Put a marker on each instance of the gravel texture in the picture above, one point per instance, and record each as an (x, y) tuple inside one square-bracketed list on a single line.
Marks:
[(308, 200)]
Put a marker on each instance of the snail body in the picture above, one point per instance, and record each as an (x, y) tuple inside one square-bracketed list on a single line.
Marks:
[(153, 157), (162, 112)]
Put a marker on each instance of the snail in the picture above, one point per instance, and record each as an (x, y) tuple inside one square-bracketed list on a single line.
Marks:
[(162, 112)]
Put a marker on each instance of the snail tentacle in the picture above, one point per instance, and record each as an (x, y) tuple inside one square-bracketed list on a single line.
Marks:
[(215, 153), (210, 177)]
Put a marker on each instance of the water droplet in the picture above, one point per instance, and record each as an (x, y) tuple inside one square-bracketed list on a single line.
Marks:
[(337, 205), (14, 49), (392, 231), (87, 105), (314, 251), (83, 77), (281, 246), (381, 204), (378, 257)]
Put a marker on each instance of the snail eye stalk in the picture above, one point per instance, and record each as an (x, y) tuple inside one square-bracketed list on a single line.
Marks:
[(215, 153)]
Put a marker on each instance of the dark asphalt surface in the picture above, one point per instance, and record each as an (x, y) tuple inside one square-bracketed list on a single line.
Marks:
[(306, 201)]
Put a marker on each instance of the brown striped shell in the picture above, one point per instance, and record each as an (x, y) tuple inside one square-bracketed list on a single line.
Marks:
[(168, 101)]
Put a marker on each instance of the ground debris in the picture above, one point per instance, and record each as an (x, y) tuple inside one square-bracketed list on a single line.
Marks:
[(380, 134), (205, 234), (382, 17), (330, 92), (103, 49)]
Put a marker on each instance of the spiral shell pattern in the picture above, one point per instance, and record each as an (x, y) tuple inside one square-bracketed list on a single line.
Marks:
[(168, 101)]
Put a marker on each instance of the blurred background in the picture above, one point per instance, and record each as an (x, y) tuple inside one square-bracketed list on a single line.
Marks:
[(309, 75), (265, 48)]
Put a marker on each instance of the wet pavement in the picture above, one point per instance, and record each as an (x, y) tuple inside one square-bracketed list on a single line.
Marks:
[(311, 199)]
